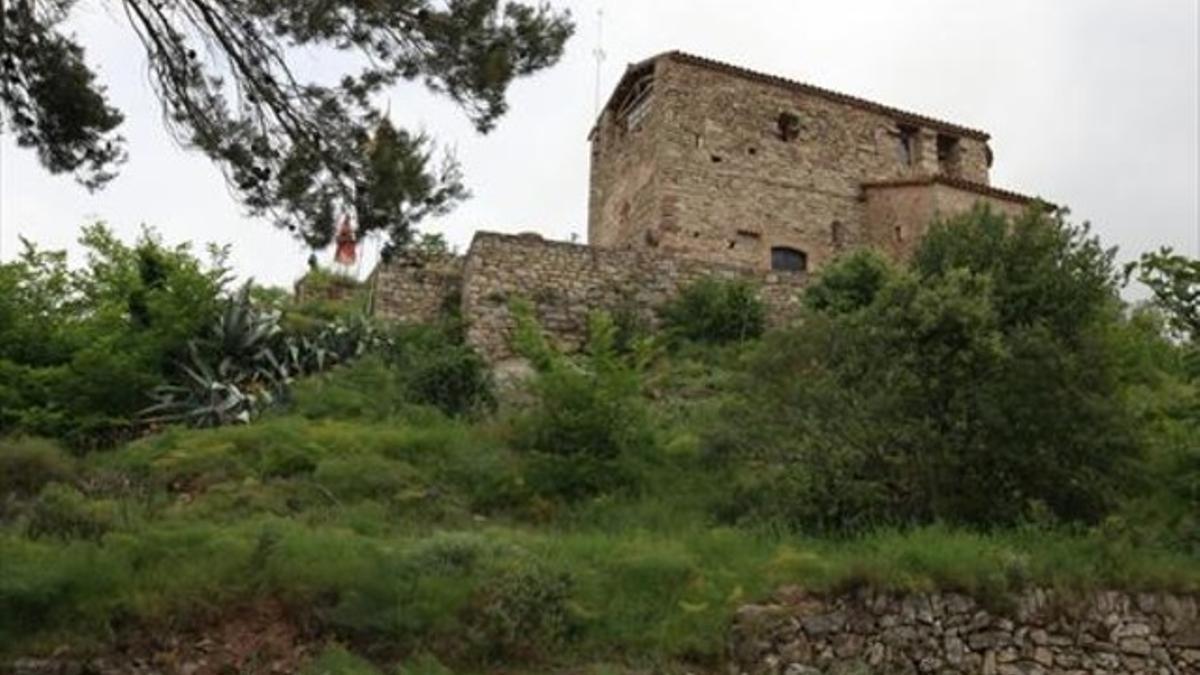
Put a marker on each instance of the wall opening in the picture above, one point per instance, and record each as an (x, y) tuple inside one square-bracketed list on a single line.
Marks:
[(906, 144), (949, 154), (837, 234), (785, 259), (636, 104), (788, 125)]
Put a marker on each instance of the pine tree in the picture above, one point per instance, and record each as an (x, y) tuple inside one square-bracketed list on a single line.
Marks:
[(295, 151)]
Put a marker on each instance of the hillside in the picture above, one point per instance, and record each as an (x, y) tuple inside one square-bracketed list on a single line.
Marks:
[(987, 420)]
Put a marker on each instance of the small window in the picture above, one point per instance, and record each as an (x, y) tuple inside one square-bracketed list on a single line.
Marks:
[(786, 259), (906, 144), (789, 126), (949, 154)]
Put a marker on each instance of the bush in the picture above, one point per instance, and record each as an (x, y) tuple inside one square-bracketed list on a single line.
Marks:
[(587, 419), (27, 464), (435, 367), (716, 310), (983, 386)]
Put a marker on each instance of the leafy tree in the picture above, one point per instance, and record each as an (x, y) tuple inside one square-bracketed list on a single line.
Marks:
[(1174, 280), (297, 151), (79, 349), (983, 384)]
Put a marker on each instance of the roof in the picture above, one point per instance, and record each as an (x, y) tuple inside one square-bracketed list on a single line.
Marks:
[(635, 69), (965, 185)]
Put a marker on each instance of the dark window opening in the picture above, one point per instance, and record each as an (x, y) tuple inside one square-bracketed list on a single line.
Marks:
[(899, 234), (752, 151), (949, 153), (785, 259), (789, 126), (716, 159), (906, 144)]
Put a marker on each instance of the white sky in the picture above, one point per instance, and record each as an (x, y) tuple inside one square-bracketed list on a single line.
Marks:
[(1090, 103)]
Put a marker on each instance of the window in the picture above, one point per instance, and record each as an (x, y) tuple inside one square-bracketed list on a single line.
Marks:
[(788, 259), (949, 154), (906, 144), (789, 126), (636, 103)]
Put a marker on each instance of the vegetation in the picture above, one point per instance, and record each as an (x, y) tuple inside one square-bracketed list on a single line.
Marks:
[(1001, 346), (298, 151), (716, 311), (913, 431), (81, 349)]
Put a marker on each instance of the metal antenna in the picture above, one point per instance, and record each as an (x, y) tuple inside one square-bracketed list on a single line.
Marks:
[(600, 55)]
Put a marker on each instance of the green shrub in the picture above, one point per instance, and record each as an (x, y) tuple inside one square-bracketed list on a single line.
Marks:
[(587, 419), (521, 612), (851, 283), (716, 310), (366, 389), (27, 464), (435, 367)]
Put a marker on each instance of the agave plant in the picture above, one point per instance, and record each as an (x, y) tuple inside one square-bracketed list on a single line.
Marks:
[(247, 362)]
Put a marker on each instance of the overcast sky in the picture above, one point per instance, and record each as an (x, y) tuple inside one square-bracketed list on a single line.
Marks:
[(1090, 103)]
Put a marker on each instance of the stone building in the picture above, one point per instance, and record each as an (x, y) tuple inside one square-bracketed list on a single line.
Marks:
[(700, 168), (700, 158)]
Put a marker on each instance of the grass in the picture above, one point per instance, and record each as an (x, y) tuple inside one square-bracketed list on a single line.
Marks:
[(401, 532)]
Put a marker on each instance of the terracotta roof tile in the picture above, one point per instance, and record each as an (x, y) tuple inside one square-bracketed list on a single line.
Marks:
[(966, 185)]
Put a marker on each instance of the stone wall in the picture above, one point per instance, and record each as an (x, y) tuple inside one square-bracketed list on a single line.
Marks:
[(1039, 633), (899, 213), (416, 289), (705, 171), (566, 282)]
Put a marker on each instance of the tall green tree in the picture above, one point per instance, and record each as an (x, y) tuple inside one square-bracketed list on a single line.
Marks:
[(1174, 279), (297, 151), (982, 383)]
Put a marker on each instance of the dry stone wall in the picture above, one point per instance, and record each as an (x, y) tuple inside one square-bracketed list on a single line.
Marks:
[(566, 282), (1038, 633), (416, 289)]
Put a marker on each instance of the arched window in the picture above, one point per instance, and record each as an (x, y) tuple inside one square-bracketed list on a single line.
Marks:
[(787, 259)]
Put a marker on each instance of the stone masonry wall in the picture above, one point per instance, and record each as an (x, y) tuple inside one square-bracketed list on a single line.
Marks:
[(708, 175), (900, 215), (1040, 633), (566, 282), (417, 289)]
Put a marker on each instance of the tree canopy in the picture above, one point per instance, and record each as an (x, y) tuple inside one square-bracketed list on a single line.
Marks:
[(296, 151)]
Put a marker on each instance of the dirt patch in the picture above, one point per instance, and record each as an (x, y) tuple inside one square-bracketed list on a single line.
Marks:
[(256, 640)]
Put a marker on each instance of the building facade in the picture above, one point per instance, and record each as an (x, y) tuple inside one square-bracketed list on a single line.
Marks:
[(704, 159), (702, 169)]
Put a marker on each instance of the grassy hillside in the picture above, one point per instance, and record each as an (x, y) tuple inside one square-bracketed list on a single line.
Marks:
[(392, 515), (394, 531)]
